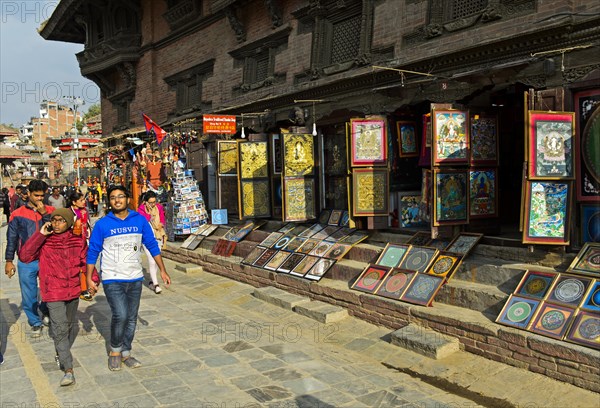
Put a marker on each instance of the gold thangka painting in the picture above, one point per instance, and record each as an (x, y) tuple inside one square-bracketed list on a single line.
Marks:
[(370, 189), (299, 199), (255, 199), (298, 151), (253, 160), (228, 157)]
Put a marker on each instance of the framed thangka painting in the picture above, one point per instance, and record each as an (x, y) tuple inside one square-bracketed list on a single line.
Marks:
[(484, 140), (228, 157), (483, 193), (407, 138), (368, 142), (587, 144), (410, 210), (298, 155), (253, 160), (370, 192), (450, 197), (590, 222), (551, 145), (547, 212), (587, 261), (450, 144), (255, 199), (298, 199)]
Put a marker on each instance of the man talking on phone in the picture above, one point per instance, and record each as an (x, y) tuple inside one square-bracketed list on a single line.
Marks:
[(23, 223)]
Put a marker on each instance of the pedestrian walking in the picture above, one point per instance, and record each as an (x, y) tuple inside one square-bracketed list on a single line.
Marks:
[(61, 255), (4, 204), (77, 203), (56, 199), (155, 214), (119, 236), (23, 223)]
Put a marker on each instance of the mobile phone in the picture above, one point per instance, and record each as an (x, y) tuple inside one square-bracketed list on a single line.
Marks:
[(49, 228)]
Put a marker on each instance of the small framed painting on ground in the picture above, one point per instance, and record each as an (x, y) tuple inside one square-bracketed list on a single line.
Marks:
[(395, 283), (392, 255), (370, 279), (418, 258), (319, 269), (587, 261), (421, 238), (464, 243), (518, 311), (535, 284), (304, 265), (253, 255), (422, 289), (592, 299), (569, 290), (584, 330), (552, 320), (444, 265)]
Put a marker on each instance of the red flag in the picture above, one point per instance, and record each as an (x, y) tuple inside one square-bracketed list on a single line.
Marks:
[(153, 129)]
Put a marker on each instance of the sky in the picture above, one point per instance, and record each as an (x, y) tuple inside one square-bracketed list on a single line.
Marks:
[(33, 69)]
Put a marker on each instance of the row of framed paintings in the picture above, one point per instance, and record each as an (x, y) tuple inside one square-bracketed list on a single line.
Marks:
[(419, 259), (295, 263), (194, 240), (557, 305)]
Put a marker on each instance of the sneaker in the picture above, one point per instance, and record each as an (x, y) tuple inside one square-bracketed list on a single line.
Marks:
[(157, 289), (68, 379), (46, 320), (114, 362), (36, 331), (85, 295)]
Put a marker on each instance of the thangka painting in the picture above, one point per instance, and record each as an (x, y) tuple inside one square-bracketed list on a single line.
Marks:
[(298, 199), (464, 243), (255, 199), (422, 289), (298, 155), (368, 142), (336, 158), (392, 255), (450, 143), (587, 261), (587, 144), (253, 160), (569, 290), (535, 284), (592, 300), (426, 195), (407, 138), (370, 192), (336, 191), (590, 222), (450, 197), (484, 140), (584, 329), (547, 213), (228, 157), (370, 279), (483, 196), (551, 145), (395, 283), (518, 312), (410, 210), (552, 320)]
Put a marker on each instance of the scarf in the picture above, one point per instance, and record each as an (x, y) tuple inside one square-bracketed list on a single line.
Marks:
[(159, 231)]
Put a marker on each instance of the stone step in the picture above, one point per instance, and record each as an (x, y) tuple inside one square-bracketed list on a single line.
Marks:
[(279, 297), (473, 296), (425, 341), (321, 311), (189, 268)]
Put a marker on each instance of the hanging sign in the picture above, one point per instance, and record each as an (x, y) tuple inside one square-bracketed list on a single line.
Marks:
[(219, 124)]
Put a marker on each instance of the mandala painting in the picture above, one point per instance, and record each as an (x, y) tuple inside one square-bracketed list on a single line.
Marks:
[(464, 243), (255, 199), (418, 259), (370, 279), (392, 255), (444, 265), (586, 330), (569, 290), (319, 269), (518, 311), (552, 320), (395, 283), (535, 284), (308, 245), (587, 104), (587, 261), (592, 300), (422, 289), (337, 251)]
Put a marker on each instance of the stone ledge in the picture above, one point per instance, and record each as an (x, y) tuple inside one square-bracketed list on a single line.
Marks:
[(424, 341), (321, 311), (189, 268), (279, 297)]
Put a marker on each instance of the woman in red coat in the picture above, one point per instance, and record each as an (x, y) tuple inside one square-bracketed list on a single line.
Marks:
[(62, 256)]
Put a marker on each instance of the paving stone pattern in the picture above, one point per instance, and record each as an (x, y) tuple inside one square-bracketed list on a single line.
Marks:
[(207, 342)]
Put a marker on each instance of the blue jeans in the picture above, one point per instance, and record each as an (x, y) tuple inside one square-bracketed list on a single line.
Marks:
[(28, 280), (124, 301)]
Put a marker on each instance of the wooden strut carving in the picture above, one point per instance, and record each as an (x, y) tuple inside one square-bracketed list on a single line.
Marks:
[(236, 25)]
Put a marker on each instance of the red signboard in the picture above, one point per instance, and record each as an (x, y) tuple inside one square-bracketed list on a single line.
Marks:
[(219, 124)]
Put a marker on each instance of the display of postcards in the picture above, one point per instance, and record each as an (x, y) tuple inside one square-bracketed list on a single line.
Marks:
[(592, 299), (319, 269), (276, 261), (587, 261), (569, 290), (325, 232), (195, 223), (535, 284), (418, 258), (196, 242), (282, 242), (518, 311), (294, 244), (421, 238), (445, 265), (253, 255), (290, 263), (304, 265), (287, 228), (312, 230), (345, 219), (337, 251), (209, 230), (186, 230), (185, 190), (438, 243), (308, 245), (370, 278), (464, 243), (585, 330), (322, 248), (335, 217), (422, 289), (271, 239), (392, 255), (187, 242), (395, 283), (264, 257), (324, 217), (552, 320), (354, 238)]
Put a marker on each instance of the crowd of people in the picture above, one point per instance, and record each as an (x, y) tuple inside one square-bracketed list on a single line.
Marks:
[(50, 239)]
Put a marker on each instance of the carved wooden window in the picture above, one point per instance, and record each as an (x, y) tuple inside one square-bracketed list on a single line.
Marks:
[(181, 12), (122, 113), (188, 87), (189, 93), (465, 8), (257, 68), (345, 41)]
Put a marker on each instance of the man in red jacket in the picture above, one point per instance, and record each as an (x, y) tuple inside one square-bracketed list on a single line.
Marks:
[(61, 256)]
